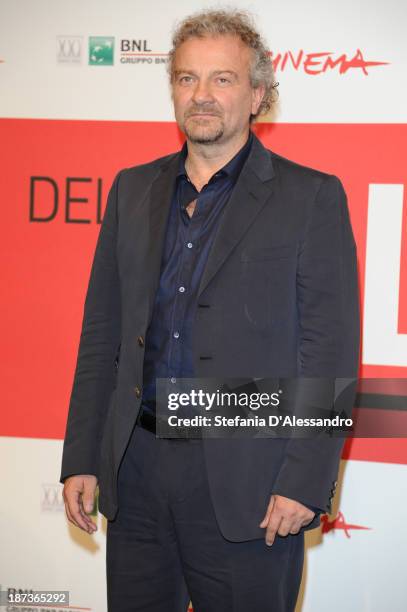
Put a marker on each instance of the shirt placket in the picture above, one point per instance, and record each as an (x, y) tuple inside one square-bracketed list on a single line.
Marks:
[(190, 246)]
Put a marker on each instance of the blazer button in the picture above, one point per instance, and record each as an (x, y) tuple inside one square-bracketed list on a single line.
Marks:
[(137, 391), (140, 341)]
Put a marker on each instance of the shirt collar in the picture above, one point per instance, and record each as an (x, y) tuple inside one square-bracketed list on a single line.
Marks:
[(231, 169)]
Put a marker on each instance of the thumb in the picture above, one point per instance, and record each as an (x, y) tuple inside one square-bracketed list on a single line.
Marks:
[(268, 512), (88, 503), (88, 499)]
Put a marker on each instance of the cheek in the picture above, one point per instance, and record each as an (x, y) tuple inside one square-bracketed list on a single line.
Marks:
[(180, 94), (180, 103), (241, 107)]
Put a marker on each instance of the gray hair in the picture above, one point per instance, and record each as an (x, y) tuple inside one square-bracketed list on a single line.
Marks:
[(238, 23)]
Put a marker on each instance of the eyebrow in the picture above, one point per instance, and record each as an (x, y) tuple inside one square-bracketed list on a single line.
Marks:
[(214, 73)]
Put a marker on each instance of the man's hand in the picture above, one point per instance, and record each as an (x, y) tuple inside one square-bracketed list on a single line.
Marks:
[(79, 498), (284, 516)]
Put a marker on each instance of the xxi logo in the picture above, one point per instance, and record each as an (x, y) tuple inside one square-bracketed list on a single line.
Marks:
[(69, 49)]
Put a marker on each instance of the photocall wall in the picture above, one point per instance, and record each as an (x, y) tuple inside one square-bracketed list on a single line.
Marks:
[(83, 93)]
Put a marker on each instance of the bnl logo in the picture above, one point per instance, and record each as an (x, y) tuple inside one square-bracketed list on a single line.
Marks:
[(101, 50)]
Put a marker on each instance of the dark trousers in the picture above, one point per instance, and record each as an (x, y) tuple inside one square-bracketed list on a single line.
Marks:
[(165, 547)]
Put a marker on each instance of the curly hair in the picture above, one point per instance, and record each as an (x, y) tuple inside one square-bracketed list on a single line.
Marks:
[(238, 23)]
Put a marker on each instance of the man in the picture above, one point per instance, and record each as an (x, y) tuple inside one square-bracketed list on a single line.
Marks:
[(222, 260)]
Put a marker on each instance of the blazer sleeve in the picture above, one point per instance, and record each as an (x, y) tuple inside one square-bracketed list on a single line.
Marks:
[(328, 349), (94, 375)]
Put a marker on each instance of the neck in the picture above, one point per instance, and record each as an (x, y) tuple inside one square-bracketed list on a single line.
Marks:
[(203, 160)]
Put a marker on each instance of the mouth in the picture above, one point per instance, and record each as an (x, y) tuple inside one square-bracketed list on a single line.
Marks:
[(202, 115)]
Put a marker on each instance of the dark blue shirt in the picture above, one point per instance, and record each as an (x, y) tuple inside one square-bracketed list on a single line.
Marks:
[(168, 352)]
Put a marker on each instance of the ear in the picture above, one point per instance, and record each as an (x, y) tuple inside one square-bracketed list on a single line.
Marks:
[(257, 97)]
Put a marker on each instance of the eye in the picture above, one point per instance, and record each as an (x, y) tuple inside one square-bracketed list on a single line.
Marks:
[(185, 79), (223, 80)]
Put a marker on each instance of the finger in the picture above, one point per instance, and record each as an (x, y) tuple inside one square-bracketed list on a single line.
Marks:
[(91, 527), (87, 503), (72, 519), (267, 516), (272, 528), (307, 521), (74, 509), (69, 515), (87, 518), (295, 528), (285, 526), (67, 510), (269, 510), (88, 498)]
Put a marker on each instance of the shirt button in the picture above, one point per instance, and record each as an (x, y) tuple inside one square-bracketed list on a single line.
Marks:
[(137, 391), (140, 341), (176, 334), (173, 379), (189, 245), (181, 289)]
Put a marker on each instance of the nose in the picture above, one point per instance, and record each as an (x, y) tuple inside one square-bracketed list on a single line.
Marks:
[(202, 92)]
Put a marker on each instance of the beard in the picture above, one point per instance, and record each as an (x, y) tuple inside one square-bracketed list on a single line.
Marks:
[(203, 131)]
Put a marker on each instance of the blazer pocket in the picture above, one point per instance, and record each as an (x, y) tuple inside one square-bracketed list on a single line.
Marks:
[(116, 365), (274, 252), (117, 358)]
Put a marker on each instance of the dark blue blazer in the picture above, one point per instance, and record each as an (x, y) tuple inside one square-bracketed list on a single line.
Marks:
[(278, 298)]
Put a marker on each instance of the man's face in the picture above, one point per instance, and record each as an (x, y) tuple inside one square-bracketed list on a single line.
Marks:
[(211, 89)]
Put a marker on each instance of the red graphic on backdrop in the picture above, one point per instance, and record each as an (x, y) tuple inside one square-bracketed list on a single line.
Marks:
[(338, 523), (317, 63), (48, 263)]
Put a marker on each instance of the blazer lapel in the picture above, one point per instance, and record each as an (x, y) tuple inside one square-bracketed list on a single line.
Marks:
[(252, 191), (160, 204)]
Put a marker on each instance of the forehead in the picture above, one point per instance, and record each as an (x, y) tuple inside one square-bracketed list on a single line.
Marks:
[(224, 52)]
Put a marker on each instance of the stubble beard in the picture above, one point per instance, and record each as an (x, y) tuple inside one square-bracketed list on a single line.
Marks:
[(203, 134)]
